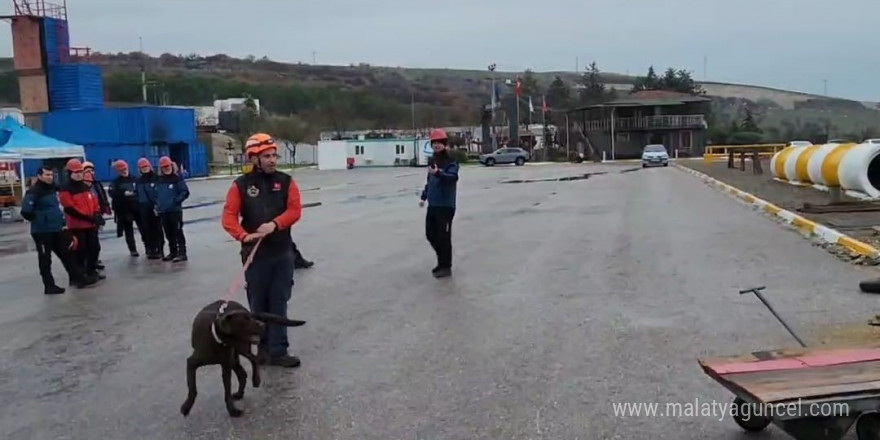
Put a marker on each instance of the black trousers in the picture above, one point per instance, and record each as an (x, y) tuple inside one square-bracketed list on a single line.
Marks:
[(55, 242), (438, 229), (88, 250), (172, 224), (151, 231), (125, 222)]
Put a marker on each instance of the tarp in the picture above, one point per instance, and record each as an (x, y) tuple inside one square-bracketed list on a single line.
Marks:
[(19, 140)]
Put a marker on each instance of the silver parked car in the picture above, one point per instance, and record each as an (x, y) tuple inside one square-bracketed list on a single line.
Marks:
[(655, 154), (505, 155)]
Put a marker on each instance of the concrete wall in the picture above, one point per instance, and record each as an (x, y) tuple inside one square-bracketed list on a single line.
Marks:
[(27, 54), (34, 93)]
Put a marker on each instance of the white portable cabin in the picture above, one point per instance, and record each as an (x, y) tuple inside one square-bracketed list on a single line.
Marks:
[(334, 155)]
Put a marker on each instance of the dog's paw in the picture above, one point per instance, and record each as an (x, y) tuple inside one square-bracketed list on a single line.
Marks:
[(238, 396), (234, 412), (185, 408), (257, 381)]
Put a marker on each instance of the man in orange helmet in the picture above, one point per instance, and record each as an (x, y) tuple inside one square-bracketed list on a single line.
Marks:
[(171, 191), (83, 217), (151, 233), (123, 193), (268, 203), (440, 193)]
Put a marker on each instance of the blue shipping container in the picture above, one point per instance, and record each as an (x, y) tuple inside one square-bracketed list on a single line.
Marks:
[(197, 163), (75, 86), (56, 41), (130, 125)]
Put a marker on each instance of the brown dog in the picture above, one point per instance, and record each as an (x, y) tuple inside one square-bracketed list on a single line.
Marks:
[(221, 332)]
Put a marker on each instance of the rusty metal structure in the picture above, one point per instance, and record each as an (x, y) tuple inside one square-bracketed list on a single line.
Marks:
[(40, 8)]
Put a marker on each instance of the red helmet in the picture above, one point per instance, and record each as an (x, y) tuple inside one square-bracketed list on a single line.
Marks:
[(165, 161), (144, 162), (120, 165), (74, 165), (438, 134)]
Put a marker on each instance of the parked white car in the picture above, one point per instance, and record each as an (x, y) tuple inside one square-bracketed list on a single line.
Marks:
[(872, 141), (655, 154)]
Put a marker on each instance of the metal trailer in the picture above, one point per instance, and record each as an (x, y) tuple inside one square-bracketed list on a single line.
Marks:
[(809, 393)]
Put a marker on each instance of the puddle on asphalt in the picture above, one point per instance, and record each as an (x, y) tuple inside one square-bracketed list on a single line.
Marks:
[(629, 170), (557, 179)]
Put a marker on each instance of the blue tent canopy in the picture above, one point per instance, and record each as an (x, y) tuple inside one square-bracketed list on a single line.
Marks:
[(17, 140)]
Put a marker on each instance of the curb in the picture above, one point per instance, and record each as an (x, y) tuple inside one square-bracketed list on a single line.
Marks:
[(810, 227)]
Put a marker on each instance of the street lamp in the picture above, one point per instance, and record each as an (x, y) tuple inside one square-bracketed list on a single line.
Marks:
[(494, 141)]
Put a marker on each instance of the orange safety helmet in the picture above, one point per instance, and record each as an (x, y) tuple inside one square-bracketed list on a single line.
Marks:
[(120, 165), (259, 143), (438, 134), (165, 161), (74, 165), (88, 164), (144, 162)]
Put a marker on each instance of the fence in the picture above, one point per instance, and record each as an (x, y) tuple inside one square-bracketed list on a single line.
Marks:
[(720, 153)]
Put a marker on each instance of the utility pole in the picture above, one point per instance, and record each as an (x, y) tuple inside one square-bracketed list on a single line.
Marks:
[(314, 58), (577, 66), (705, 68), (825, 85), (143, 71)]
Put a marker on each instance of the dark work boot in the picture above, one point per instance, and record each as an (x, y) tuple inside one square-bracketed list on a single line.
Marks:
[(286, 361), (171, 256), (53, 290), (443, 272), (180, 255), (86, 281), (303, 264)]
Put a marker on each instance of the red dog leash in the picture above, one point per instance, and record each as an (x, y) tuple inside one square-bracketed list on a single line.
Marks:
[(237, 283)]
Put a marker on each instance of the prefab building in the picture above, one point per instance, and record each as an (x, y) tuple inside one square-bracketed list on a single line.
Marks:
[(372, 153)]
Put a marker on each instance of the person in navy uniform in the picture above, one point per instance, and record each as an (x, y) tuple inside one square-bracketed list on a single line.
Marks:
[(440, 193), (123, 193), (171, 191), (41, 207), (154, 241)]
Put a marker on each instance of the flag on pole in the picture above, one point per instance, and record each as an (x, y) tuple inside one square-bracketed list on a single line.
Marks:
[(544, 104), (518, 87), (531, 107)]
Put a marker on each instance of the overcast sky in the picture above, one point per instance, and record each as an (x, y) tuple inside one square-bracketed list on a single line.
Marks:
[(789, 44)]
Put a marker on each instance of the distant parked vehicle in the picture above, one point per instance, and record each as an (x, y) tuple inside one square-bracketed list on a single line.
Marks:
[(872, 141), (516, 156), (655, 155)]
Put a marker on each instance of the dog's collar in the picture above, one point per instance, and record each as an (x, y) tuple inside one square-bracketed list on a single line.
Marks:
[(214, 333), (214, 323)]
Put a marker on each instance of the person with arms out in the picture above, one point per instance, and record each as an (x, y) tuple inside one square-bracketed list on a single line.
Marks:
[(440, 193), (151, 233), (41, 208), (83, 215), (171, 191), (261, 207), (124, 201)]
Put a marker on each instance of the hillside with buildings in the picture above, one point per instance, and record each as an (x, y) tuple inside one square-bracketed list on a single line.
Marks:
[(317, 98)]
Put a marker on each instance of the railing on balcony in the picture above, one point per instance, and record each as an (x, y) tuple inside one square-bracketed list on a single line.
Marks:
[(649, 123)]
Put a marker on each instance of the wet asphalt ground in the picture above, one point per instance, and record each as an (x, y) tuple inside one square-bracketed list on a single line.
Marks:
[(567, 297)]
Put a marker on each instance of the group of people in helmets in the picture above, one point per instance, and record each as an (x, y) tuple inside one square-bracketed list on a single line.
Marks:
[(260, 208), (66, 219)]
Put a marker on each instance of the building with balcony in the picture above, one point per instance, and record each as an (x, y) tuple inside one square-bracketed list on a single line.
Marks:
[(621, 128)]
